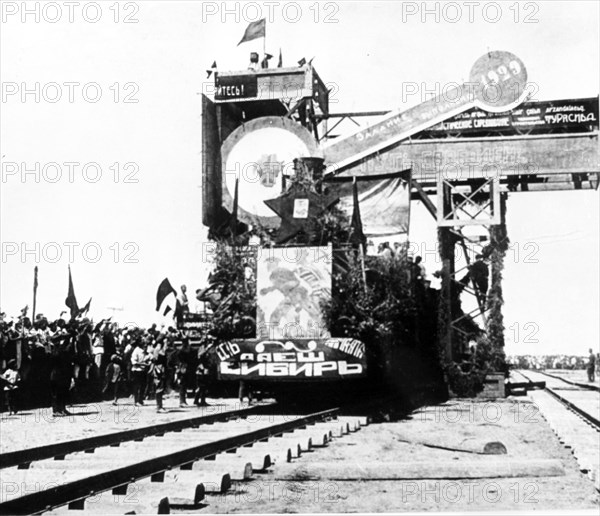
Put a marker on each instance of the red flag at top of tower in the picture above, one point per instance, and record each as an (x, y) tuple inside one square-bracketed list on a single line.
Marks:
[(255, 30)]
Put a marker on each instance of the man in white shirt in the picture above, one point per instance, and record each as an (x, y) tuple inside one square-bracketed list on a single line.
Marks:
[(184, 304), (138, 373)]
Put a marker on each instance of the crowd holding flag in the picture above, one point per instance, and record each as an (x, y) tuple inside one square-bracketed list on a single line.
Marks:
[(71, 301), (62, 362), (86, 308)]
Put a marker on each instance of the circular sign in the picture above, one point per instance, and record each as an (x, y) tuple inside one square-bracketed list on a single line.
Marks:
[(501, 79), (259, 153)]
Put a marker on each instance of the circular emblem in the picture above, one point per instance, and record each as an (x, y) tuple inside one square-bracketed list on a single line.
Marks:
[(501, 79), (258, 154)]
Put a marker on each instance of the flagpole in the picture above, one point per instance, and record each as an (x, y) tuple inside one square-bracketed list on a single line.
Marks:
[(35, 286), (356, 221)]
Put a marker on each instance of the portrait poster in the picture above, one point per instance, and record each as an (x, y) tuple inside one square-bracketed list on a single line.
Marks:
[(292, 283)]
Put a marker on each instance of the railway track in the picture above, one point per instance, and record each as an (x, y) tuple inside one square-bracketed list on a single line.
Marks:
[(146, 469), (589, 386), (573, 413), (23, 458)]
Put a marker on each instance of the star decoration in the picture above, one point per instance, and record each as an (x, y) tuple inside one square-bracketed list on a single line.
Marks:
[(297, 207)]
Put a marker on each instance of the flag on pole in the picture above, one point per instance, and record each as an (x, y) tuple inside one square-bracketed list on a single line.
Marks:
[(165, 290), (71, 300), (358, 236), (35, 287), (233, 220), (86, 308), (255, 30), (280, 61), (230, 226)]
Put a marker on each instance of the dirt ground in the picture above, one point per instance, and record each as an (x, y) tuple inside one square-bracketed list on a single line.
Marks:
[(456, 424)]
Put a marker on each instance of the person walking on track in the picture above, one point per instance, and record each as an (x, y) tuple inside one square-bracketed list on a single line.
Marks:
[(591, 367)]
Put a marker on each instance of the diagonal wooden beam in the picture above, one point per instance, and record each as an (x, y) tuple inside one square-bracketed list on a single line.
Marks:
[(424, 197), (294, 108)]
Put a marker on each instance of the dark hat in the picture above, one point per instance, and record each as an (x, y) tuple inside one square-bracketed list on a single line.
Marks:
[(12, 363)]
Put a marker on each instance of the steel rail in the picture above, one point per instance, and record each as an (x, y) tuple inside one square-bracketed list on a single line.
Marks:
[(577, 384), (74, 493), (23, 458), (588, 417), (570, 405)]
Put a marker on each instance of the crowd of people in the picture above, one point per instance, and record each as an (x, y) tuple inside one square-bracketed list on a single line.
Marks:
[(416, 267), (590, 362), (79, 361)]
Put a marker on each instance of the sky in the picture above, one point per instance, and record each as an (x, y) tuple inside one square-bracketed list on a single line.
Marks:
[(100, 140)]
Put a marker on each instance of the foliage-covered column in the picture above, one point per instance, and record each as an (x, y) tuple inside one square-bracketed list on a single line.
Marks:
[(495, 321), (445, 304)]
